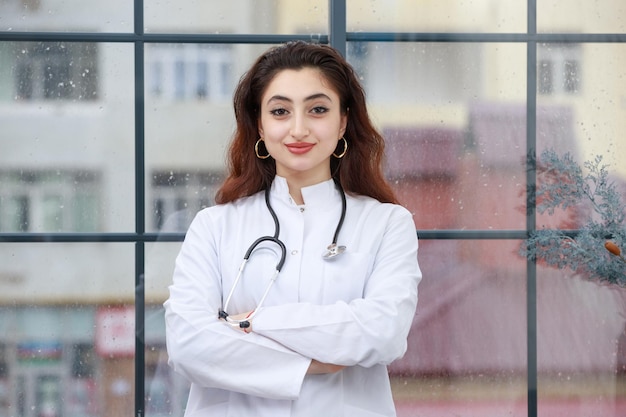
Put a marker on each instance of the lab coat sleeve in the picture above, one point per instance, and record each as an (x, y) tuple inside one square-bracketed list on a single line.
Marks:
[(366, 331), (207, 351)]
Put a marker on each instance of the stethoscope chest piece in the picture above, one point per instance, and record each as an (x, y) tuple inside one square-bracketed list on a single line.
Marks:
[(333, 250)]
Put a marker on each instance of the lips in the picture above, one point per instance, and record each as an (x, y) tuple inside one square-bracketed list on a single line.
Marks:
[(300, 147)]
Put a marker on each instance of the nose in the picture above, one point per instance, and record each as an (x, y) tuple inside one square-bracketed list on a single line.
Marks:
[(299, 129)]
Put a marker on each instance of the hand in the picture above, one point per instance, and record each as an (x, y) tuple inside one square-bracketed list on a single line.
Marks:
[(316, 368), (242, 316)]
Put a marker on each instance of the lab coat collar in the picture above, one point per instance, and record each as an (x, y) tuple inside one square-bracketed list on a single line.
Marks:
[(324, 195)]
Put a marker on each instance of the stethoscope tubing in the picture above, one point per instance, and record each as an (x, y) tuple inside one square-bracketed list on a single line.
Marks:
[(279, 266), (343, 213), (331, 253)]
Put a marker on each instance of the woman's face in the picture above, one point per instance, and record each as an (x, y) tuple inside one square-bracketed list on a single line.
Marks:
[(301, 122)]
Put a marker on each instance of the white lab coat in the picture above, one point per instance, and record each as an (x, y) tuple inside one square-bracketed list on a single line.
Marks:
[(355, 310)]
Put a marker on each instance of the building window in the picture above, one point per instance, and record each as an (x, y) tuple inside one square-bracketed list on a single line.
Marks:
[(5, 381), (55, 71), (190, 71), (4, 364), (558, 69), (49, 201), (178, 196), (83, 361)]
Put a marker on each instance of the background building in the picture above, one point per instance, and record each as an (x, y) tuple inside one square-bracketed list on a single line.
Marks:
[(113, 128)]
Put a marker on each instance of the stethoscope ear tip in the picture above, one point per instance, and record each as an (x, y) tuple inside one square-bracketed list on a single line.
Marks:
[(332, 251)]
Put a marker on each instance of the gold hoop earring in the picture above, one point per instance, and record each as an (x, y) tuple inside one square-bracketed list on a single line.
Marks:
[(256, 150), (345, 148)]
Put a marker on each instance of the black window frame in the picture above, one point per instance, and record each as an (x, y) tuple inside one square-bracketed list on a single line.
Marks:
[(337, 37)]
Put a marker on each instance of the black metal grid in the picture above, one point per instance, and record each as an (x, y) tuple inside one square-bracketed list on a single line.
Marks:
[(338, 37)]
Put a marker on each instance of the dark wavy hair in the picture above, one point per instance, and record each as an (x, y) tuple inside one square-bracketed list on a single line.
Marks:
[(359, 171)]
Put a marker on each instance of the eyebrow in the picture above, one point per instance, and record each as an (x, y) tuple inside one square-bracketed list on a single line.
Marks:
[(278, 97)]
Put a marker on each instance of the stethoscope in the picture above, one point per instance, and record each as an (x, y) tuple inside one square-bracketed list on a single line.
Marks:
[(330, 253)]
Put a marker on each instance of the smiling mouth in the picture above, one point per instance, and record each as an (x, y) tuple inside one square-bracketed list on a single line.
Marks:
[(300, 148)]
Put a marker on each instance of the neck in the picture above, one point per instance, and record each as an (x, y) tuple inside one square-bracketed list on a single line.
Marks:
[(296, 193)]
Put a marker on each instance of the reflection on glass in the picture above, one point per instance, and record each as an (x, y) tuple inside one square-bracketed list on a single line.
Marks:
[(600, 16), (160, 259), (51, 70), (67, 134), (440, 16), (237, 16), (186, 72), (581, 344), (467, 346), (178, 196), (584, 84), (559, 69), (14, 213), (48, 396), (189, 121), (64, 272), (166, 392), (581, 324), (115, 344), (49, 201), (66, 16), (56, 70), (67, 329), (454, 118)]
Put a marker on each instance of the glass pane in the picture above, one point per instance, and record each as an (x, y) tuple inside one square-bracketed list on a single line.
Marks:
[(582, 316), (600, 16), (66, 329), (160, 260), (580, 118), (585, 102), (166, 391), (436, 16), (237, 16), (454, 118), (467, 345), (581, 337), (66, 16), (68, 272), (189, 121), (67, 137)]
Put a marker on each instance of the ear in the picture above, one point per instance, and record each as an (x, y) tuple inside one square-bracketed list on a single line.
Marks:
[(260, 127), (343, 124)]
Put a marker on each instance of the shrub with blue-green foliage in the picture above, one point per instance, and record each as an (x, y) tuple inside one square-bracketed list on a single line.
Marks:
[(596, 205)]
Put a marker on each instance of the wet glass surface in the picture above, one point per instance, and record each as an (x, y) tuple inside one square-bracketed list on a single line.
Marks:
[(454, 118)]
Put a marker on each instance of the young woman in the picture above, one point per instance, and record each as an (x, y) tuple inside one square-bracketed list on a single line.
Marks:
[(326, 296)]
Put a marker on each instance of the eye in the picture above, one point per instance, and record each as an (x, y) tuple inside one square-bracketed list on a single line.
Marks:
[(278, 112), (319, 110)]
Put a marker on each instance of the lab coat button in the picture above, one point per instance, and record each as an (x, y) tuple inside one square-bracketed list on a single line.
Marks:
[(294, 252)]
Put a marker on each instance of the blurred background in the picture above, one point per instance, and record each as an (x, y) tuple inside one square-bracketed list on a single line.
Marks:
[(114, 122)]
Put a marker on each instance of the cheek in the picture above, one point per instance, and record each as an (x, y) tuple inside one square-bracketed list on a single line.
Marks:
[(273, 132), (273, 135), (337, 125), (331, 131), (264, 130)]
